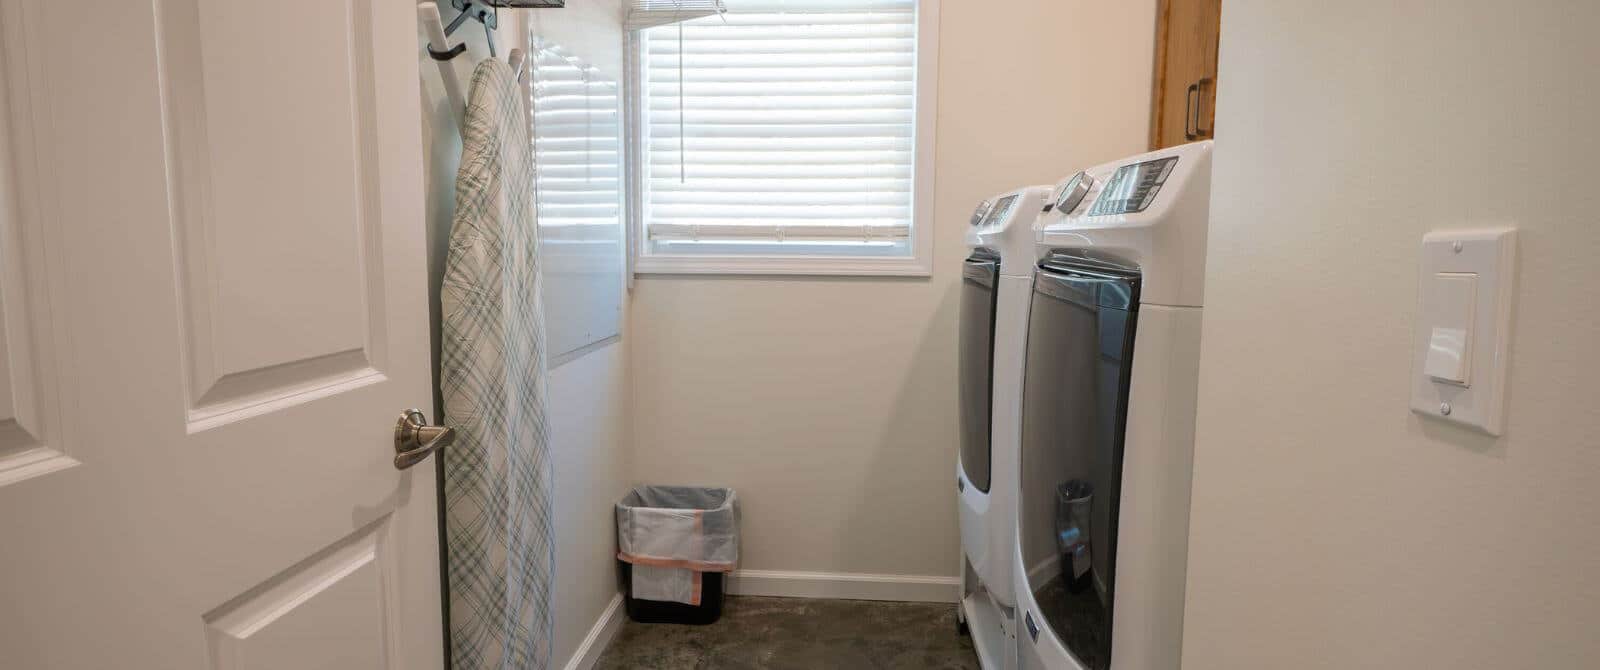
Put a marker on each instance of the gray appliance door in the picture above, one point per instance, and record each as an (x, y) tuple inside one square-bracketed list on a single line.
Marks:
[(980, 279), (1074, 415)]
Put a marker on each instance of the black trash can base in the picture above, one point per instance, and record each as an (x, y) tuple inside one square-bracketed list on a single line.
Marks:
[(656, 611)]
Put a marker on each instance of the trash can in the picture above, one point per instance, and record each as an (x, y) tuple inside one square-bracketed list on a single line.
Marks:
[(675, 545), (1074, 506)]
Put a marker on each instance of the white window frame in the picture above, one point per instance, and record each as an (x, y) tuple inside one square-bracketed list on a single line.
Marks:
[(919, 263)]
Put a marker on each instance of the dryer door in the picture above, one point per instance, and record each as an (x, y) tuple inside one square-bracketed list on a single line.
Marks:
[(979, 283), (1075, 398)]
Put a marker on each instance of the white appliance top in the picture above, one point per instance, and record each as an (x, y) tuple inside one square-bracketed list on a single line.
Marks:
[(1148, 212), (1003, 223)]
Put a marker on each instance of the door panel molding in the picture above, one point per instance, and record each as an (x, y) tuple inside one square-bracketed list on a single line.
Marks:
[(29, 375), (345, 591), (281, 297)]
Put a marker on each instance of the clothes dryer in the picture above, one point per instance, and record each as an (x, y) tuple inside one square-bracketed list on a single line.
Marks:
[(1110, 374), (996, 279)]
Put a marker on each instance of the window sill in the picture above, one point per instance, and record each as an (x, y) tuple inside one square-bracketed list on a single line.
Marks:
[(783, 265)]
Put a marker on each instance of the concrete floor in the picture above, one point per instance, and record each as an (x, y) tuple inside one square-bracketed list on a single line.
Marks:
[(795, 633)]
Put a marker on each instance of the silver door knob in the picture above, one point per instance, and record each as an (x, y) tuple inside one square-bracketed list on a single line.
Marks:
[(414, 439)]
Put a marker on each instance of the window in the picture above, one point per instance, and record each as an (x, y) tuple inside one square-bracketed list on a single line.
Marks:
[(786, 137)]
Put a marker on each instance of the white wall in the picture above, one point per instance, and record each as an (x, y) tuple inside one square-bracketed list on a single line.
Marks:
[(1332, 528), (830, 404), (588, 395)]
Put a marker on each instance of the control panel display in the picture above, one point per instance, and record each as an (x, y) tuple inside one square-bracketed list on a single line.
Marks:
[(1133, 187), (1001, 210)]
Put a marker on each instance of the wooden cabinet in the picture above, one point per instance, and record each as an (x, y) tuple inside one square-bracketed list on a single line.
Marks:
[(1183, 101)]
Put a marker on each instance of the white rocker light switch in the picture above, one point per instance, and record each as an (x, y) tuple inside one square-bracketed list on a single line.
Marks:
[(1463, 326), (1449, 314)]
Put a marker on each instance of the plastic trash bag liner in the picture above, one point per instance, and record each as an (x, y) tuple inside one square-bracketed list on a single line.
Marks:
[(674, 585), (675, 533)]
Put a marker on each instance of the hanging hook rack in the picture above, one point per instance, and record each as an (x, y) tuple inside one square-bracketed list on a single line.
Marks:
[(439, 48), (486, 13)]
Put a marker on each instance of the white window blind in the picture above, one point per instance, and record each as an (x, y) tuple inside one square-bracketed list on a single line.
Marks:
[(780, 127), (650, 13)]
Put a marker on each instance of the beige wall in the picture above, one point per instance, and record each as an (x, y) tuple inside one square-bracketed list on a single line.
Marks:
[(1331, 527), (830, 404), (588, 395)]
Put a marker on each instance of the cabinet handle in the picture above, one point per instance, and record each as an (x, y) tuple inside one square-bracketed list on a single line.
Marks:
[(1199, 88), (1188, 110)]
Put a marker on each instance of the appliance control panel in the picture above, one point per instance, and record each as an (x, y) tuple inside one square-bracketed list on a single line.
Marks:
[(1133, 187), (1000, 210)]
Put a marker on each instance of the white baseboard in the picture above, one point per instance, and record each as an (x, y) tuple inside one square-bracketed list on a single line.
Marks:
[(600, 635), (1044, 570), (845, 585)]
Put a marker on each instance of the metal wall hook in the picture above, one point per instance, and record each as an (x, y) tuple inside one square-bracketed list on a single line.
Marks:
[(488, 15), (447, 54)]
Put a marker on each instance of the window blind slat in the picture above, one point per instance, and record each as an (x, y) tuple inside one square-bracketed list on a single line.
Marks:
[(756, 50), (807, 117), (768, 130), (774, 232), (712, 185), (782, 143), (669, 104), (840, 157), (713, 89), (741, 198), (733, 63), (796, 20), (767, 171), (776, 78)]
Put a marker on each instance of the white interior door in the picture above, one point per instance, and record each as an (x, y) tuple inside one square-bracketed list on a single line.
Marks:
[(212, 290)]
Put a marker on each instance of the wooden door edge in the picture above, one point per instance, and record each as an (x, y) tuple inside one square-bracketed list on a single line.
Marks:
[(1158, 74)]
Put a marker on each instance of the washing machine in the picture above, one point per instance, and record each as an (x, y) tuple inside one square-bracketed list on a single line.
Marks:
[(996, 279), (1109, 384)]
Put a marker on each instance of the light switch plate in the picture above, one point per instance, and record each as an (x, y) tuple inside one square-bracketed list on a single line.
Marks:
[(1476, 266)]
